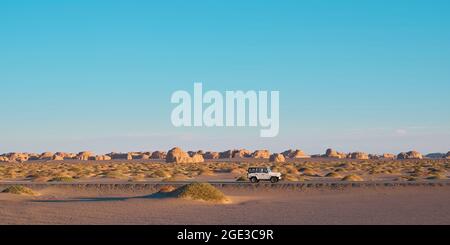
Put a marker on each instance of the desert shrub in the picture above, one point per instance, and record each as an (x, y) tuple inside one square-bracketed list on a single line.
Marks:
[(200, 191), (62, 179), (116, 174), (137, 178), (161, 174), (19, 190), (291, 177), (310, 172), (333, 175), (436, 177), (352, 177)]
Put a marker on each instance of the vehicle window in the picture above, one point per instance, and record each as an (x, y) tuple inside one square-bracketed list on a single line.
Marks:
[(259, 170), (265, 170), (251, 170)]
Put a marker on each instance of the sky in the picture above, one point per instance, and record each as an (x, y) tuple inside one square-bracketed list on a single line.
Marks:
[(98, 75)]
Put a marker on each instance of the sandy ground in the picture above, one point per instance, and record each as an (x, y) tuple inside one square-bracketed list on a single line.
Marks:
[(368, 205)]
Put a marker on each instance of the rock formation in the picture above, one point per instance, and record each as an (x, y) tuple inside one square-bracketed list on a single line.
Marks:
[(193, 153), (436, 155), (410, 155), (101, 158), (197, 158), (66, 155), (120, 156), (177, 155), (330, 153), (374, 156), (359, 156), (243, 153), (277, 158), (388, 156), (295, 154), (226, 154), (211, 155), (261, 154), (57, 158), (46, 156), (160, 155), (17, 157), (141, 155), (84, 155)]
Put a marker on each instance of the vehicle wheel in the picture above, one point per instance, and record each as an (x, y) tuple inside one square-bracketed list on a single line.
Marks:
[(274, 179), (253, 180)]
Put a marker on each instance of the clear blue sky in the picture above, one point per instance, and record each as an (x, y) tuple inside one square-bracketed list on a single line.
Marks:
[(98, 75)]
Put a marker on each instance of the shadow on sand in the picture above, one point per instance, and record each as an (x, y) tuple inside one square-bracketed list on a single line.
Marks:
[(157, 195)]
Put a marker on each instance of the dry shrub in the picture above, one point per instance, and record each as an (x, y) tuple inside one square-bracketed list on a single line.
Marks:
[(19, 190), (353, 178), (333, 175), (200, 191)]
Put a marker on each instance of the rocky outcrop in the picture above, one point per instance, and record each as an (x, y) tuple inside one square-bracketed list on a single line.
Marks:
[(33, 156), (177, 155), (101, 158), (243, 153), (4, 159), (410, 155), (374, 156), (193, 153), (211, 155), (330, 153), (359, 156), (435, 155), (57, 158), (277, 158), (84, 156), (197, 158), (120, 156), (402, 155), (388, 156), (17, 157), (261, 154), (66, 155), (295, 154), (159, 155), (226, 154), (140, 155), (46, 156)]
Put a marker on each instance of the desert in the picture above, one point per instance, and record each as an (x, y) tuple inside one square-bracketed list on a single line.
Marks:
[(198, 187)]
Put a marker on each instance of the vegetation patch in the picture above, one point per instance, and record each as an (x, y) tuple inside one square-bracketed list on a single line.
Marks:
[(19, 190), (62, 179), (333, 175), (436, 177), (199, 191), (353, 177)]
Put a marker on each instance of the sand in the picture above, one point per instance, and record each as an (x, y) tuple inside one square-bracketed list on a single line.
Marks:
[(315, 169), (349, 205)]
